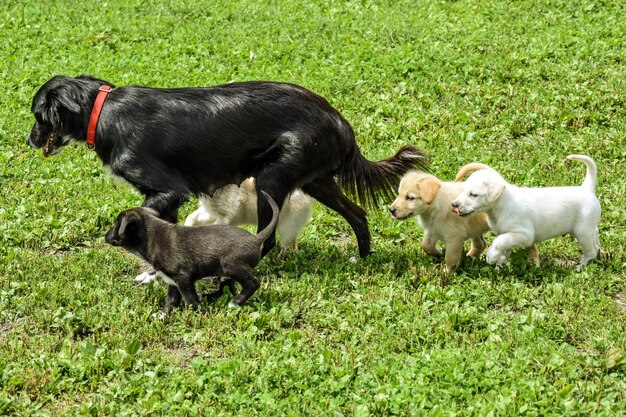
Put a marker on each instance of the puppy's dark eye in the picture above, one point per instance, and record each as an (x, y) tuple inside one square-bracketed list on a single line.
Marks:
[(473, 195), (410, 197)]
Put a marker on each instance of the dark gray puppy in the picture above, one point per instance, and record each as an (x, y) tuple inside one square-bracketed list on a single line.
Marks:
[(182, 255)]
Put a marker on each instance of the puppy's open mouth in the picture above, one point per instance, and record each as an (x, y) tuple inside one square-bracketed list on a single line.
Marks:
[(458, 212), (397, 217), (48, 147)]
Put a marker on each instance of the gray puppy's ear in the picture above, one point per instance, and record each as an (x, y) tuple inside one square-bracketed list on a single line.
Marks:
[(129, 224)]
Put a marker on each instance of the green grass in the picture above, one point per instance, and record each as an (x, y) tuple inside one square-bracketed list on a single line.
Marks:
[(515, 84)]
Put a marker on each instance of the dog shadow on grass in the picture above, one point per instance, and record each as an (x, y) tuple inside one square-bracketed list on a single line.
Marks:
[(519, 268), (335, 266)]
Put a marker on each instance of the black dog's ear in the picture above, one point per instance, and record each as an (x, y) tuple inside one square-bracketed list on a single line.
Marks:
[(66, 98), (56, 105)]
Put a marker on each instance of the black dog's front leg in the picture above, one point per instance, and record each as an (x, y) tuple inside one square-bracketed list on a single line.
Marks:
[(165, 203)]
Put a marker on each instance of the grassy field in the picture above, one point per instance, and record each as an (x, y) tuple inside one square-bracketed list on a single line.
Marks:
[(515, 84)]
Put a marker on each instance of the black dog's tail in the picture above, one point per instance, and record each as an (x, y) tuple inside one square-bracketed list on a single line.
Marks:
[(370, 181), (265, 233)]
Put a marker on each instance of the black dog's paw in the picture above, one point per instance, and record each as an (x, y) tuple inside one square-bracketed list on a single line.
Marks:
[(354, 260)]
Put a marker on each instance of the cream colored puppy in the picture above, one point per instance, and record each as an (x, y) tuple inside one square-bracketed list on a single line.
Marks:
[(523, 216), (429, 198), (236, 205)]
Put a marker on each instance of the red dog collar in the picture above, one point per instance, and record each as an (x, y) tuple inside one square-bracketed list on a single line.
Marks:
[(95, 115)]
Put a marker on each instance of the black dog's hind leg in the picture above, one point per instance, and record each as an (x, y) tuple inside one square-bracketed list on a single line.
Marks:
[(326, 191)]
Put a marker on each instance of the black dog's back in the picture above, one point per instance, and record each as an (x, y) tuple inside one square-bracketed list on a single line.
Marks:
[(242, 127)]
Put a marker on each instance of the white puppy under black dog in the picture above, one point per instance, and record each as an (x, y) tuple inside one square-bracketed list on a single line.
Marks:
[(237, 205), (523, 216)]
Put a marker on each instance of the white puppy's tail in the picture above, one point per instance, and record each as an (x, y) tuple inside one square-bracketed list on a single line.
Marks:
[(592, 171), (466, 169)]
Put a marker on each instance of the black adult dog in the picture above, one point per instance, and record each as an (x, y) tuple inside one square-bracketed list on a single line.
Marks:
[(171, 143)]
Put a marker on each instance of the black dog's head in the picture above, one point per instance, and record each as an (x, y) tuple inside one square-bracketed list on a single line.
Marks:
[(62, 107), (129, 230)]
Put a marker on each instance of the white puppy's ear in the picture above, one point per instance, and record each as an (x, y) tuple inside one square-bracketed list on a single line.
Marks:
[(428, 189), (493, 191)]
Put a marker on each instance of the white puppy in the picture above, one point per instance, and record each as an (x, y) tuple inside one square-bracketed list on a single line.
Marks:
[(523, 216), (236, 205), (429, 198)]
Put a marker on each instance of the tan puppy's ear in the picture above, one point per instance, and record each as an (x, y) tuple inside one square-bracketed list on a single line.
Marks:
[(429, 188), (493, 191)]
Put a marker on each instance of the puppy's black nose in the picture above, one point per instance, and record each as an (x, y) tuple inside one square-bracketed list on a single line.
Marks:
[(455, 204), (392, 210)]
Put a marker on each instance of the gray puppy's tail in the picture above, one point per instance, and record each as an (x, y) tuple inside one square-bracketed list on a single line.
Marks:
[(592, 171), (265, 233)]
